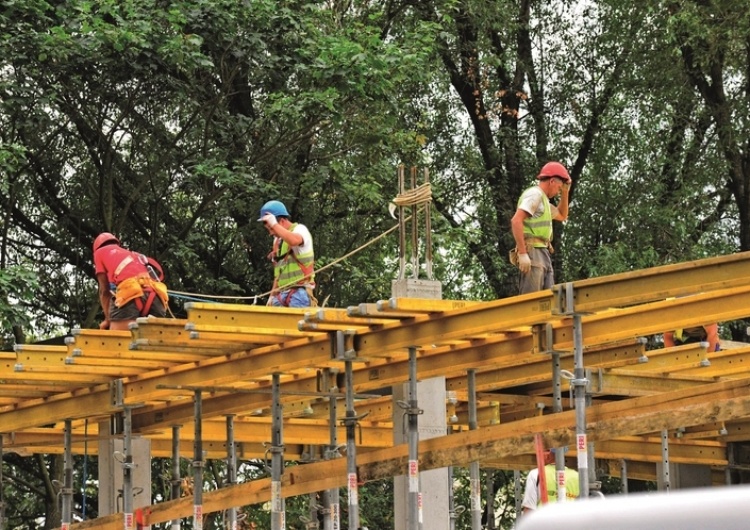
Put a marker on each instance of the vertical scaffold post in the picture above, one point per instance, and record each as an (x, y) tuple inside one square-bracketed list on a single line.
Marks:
[(2, 484), (67, 488), (278, 509), (414, 512), (517, 491), (231, 469), (176, 478), (665, 460), (557, 407), (475, 485), (565, 304), (127, 470), (579, 383), (350, 421), (198, 462), (623, 476), (331, 515)]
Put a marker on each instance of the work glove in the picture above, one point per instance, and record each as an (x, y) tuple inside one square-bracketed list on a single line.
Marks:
[(524, 263), (270, 220)]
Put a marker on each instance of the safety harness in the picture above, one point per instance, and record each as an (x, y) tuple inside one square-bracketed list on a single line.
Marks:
[(135, 287), (291, 276)]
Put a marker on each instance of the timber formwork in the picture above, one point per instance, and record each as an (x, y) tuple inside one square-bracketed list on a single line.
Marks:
[(232, 354)]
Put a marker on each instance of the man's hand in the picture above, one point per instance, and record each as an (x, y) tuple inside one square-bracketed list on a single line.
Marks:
[(104, 324), (270, 220), (524, 263)]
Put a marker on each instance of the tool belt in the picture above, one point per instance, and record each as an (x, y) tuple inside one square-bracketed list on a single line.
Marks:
[(536, 240), (513, 254), (134, 288)]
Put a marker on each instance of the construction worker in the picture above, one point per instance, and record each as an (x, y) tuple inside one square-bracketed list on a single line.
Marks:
[(292, 256), (532, 227), (532, 495), (708, 333), (130, 284)]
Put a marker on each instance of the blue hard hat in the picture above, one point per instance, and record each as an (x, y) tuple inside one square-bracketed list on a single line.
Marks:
[(276, 208)]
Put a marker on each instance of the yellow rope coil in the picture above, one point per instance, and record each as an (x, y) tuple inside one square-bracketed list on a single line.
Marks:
[(419, 195)]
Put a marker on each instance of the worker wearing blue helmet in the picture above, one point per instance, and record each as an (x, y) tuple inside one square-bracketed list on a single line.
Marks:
[(292, 256)]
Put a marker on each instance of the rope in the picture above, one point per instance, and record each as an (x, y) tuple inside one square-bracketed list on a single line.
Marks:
[(419, 196)]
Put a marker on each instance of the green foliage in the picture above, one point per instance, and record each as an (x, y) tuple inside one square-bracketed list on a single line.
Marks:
[(18, 286), (170, 123)]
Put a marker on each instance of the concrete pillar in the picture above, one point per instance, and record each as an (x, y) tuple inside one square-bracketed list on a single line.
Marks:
[(110, 472), (431, 397), (683, 476)]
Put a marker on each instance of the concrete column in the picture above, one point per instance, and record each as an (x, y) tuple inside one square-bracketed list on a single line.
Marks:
[(683, 476), (431, 398), (110, 472)]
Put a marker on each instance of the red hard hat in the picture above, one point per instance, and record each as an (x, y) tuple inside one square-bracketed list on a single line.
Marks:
[(103, 239), (554, 169)]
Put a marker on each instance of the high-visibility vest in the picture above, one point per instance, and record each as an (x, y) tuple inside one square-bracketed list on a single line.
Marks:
[(292, 269), (539, 227), (572, 487)]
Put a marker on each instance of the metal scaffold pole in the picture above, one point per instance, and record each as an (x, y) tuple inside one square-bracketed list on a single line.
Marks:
[(474, 478), (176, 478), (2, 496), (231, 470), (579, 383), (414, 512), (127, 470), (623, 476), (331, 515), (278, 512), (565, 305), (350, 421), (558, 407), (198, 463), (665, 461), (67, 488)]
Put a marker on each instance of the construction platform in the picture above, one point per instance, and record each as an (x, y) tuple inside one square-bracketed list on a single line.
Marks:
[(233, 355)]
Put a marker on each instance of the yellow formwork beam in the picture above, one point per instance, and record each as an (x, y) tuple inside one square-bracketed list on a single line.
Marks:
[(39, 355), (423, 305), (299, 356), (669, 360), (724, 363), (243, 316), (724, 401), (656, 283)]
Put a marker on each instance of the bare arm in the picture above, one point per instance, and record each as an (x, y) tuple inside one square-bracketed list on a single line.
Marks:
[(516, 226), (105, 295), (292, 239), (562, 208), (712, 336)]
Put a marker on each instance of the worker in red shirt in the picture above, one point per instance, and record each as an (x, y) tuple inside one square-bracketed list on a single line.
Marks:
[(130, 284)]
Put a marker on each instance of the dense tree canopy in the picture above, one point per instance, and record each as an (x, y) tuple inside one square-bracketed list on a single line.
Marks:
[(169, 123)]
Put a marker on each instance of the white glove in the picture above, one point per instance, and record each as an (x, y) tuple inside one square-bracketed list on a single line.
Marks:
[(270, 220), (524, 263)]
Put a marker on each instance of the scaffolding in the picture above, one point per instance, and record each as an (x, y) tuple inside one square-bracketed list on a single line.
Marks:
[(278, 369)]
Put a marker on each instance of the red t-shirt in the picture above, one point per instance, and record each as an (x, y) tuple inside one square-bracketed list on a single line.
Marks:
[(110, 257)]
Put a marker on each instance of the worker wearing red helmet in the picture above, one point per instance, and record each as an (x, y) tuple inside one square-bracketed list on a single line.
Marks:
[(532, 226), (130, 284)]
